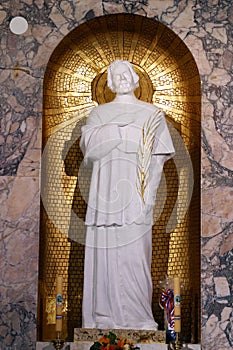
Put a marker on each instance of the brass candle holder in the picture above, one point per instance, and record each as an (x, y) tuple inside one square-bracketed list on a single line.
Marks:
[(58, 343)]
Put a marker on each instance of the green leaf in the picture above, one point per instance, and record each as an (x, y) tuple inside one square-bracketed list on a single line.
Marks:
[(112, 337)]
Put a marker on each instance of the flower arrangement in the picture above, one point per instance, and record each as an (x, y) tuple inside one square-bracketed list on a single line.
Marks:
[(111, 342)]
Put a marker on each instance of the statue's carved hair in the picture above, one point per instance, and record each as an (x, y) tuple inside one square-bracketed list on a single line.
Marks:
[(111, 68)]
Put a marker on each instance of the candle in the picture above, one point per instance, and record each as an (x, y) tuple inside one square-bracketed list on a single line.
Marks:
[(59, 304), (177, 306)]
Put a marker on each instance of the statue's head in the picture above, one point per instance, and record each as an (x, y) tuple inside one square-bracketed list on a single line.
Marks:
[(122, 77)]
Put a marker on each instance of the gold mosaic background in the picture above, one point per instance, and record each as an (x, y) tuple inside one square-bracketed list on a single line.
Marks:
[(75, 81)]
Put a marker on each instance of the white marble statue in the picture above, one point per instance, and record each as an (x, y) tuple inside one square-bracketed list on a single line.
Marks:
[(127, 141)]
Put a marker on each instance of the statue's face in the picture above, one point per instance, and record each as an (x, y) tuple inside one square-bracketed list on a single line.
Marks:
[(122, 79)]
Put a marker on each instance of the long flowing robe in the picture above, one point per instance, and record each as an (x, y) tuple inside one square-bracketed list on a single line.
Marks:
[(117, 289)]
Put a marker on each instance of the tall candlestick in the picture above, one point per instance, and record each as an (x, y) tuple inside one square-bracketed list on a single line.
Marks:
[(177, 305), (59, 300)]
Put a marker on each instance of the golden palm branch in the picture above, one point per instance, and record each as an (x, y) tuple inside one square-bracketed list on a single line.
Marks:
[(145, 151)]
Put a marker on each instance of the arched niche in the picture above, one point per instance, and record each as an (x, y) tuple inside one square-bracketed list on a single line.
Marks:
[(75, 81)]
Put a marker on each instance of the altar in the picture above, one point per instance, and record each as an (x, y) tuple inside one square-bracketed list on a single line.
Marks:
[(145, 340), (86, 346)]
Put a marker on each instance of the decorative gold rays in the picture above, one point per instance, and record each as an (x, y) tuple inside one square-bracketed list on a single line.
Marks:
[(76, 73)]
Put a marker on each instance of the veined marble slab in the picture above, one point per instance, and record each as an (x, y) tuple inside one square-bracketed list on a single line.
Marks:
[(135, 336)]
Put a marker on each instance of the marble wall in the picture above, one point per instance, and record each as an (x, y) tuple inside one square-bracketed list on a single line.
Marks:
[(206, 28)]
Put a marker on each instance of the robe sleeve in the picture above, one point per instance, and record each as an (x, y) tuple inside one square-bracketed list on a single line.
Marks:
[(162, 150), (98, 139), (163, 142), (156, 169)]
